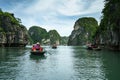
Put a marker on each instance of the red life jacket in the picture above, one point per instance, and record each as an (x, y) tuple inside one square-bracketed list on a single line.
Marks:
[(41, 49)]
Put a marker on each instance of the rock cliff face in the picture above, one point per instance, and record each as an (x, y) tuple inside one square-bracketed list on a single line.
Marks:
[(84, 30), (12, 33), (109, 31)]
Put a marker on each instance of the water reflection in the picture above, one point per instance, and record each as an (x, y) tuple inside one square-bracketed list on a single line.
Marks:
[(111, 61), (88, 64), (7, 53), (9, 60)]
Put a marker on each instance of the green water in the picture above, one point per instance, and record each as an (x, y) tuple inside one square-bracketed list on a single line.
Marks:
[(63, 63)]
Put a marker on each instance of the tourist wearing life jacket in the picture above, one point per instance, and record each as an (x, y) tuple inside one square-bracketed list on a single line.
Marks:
[(41, 49), (38, 47), (33, 48)]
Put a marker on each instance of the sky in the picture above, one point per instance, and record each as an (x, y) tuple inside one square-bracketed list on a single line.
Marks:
[(53, 14)]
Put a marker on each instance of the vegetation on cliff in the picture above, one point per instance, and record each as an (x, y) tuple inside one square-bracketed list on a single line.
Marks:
[(90, 26), (38, 34), (12, 32), (109, 30), (54, 37), (64, 40), (84, 31)]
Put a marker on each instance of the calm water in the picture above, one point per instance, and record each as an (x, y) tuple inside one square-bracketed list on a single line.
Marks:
[(63, 63)]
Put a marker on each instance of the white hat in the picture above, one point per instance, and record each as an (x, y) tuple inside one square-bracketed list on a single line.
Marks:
[(38, 43)]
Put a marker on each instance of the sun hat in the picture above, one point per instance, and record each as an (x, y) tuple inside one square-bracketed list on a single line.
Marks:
[(38, 43)]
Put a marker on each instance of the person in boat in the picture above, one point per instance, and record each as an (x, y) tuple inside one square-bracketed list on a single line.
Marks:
[(33, 47), (37, 47), (89, 44), (89, 47), (94, 45), (54, 46)]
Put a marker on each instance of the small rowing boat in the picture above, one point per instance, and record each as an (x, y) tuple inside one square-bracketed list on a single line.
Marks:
[(37, 52), (54, 47)]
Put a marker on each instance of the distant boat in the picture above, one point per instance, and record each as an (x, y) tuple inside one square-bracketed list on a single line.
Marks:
[(54, 47), (89, 48), (92, 48), (97, 49)]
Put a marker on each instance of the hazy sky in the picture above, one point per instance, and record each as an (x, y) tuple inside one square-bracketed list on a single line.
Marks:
[(53, 14)]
